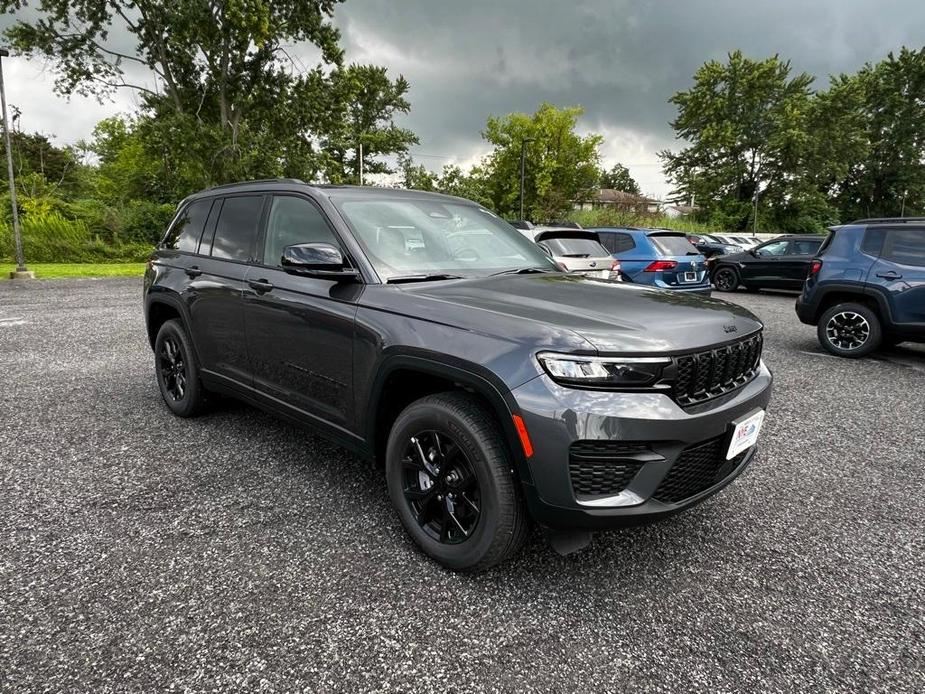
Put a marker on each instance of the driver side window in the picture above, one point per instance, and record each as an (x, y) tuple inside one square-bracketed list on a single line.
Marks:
[(294, 220)]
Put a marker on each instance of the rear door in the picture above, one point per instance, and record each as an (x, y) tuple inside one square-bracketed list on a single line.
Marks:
[(300, 329), (899, 274), (217, 285), (622, 246)]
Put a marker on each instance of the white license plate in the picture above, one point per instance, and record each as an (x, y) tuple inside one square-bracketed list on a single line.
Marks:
[(745, 434), (690, 276)]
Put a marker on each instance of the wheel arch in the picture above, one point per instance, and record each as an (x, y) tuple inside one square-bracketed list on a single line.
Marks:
[(839, 294), (161, 307), (405, 378)]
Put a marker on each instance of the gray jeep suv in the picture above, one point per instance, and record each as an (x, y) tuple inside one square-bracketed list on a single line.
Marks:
[(424, 332)]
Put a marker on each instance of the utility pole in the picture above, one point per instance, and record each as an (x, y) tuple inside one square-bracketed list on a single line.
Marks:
[(902, 210), (755, 216), (523, 159), (361, 163), (21, 272)]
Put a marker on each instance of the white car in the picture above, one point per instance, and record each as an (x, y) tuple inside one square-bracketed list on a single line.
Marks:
[(576, 250), (743, 242)]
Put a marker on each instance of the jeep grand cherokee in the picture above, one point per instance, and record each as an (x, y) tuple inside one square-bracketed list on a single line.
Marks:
[(423, 331)]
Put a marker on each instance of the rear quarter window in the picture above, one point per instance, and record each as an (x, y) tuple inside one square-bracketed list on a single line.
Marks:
[(872, 243), (185, 232)]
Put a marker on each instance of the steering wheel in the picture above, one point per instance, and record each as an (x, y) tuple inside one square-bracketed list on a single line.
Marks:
[(466, 254)]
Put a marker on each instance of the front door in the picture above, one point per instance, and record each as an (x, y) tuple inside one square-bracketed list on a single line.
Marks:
[(762, 269), (300, 329)]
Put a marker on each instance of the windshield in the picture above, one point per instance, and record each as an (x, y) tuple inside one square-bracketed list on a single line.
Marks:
[(570, 247), (407, 236), (673, 244)]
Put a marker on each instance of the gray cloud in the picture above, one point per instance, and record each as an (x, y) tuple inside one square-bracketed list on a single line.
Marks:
[(619, 59)]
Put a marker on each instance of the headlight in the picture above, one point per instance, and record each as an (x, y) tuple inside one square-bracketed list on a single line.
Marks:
[(613, 372)]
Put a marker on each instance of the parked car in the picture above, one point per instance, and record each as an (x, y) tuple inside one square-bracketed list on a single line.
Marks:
[(494, 388), (657, 257), (782, 263), (710, 247), (866, 286), (576, 250), (742, 242)]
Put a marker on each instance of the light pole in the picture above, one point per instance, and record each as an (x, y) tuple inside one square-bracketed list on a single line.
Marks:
[(523, 158), (20, 272), (902, 210)]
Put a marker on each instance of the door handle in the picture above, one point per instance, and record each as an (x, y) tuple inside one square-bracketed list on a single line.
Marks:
[(193, 271), (259, 286), (891, 275)]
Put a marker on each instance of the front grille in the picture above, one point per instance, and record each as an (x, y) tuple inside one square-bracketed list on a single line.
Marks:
[(702, 376), (698, 467), (603, 468)]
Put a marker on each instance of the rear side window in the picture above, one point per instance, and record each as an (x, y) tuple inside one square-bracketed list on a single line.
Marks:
[(237, 227), (804, 247), (187, 229), (906, 246), (872, 243), (621, 243), (673, 244)]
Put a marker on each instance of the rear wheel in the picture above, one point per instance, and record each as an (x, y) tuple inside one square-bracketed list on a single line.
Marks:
[(450, 479), (177, 370), (849, 330), (726, 279)]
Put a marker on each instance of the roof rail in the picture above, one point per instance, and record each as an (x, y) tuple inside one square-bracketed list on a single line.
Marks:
[(259, 180), (888, 220)]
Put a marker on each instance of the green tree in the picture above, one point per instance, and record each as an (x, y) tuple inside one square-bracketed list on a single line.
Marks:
[(562, 167), (745, 125), (415, 176), (619, 178), (471, 185), (886, 110)]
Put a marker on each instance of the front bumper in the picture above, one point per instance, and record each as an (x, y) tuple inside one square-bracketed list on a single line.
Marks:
[(557, 417)]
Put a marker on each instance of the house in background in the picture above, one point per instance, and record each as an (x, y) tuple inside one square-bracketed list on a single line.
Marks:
[(674, 210), (619, 200)]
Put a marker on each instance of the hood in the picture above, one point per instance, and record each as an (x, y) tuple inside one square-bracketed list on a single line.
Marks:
[(611, 317)]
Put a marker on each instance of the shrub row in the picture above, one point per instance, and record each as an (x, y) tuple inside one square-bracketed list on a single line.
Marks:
[(52, 238)]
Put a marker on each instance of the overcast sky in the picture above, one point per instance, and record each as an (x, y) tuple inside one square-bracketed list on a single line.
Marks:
[(619, 59)]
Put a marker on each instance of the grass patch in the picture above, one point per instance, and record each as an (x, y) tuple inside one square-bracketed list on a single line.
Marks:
[(60, 270)]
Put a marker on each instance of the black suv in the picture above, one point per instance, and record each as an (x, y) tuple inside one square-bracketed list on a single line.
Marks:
[(780, 263), (425, 332), (866, 286)]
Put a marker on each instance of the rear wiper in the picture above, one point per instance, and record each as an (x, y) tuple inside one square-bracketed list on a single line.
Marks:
[(397, 279), (522, 271)]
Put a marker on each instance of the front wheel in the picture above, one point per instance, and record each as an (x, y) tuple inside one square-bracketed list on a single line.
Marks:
[(726, 279), (450, 479), (849, 330)]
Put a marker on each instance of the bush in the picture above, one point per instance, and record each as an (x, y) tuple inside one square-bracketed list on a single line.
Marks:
[(145, 222), (102, 221), (610, 217), (54, 239)]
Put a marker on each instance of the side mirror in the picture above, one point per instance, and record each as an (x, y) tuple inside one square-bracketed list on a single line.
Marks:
[(752, 252), (321, 260)]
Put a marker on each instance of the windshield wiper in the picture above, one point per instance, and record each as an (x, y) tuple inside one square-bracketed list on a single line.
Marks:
[(521, 271), (398, 279)]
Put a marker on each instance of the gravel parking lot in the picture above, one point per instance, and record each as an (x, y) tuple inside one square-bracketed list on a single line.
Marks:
[(234, 551)]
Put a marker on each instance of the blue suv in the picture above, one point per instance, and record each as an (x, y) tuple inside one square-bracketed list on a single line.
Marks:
[(658, 257), (866, 286)]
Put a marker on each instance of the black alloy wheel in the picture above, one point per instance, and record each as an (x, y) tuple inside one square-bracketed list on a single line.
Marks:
[(726, 279), (177, 370), (441, 487)]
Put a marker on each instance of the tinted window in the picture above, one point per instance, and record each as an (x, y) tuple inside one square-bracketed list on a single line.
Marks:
[(804, 247), (622, 243), (774, 248), (237, 227), (294, 220), (184, 234), (906, 246), (574, 247), (673, 244), (872, 243)]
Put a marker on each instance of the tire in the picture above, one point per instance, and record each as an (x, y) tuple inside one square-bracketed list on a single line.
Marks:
[(726, 279), (466, 461), (177, 370), (849, 330)]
